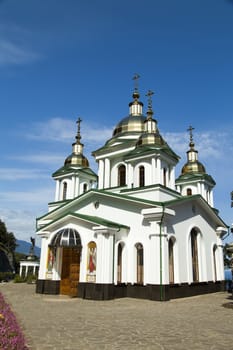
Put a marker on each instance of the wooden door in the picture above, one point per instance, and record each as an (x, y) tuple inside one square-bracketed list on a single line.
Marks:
[(70, 271)]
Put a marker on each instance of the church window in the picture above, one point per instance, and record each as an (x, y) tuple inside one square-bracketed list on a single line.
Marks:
[(215, 265), (141, 176), (165, 176), (64, 194), (194, 251), (84, 187), (189, 191), (171, 261), (121, 175), (139, 249), (119, 264)]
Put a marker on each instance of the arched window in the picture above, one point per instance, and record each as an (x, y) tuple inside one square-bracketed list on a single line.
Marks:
[(189, 191), (64, 194), (165, 176), (171, 260), (141, 176), (194, 250), (84, 187), (121, 175), (139, 249), (215, 263), (119, 264)]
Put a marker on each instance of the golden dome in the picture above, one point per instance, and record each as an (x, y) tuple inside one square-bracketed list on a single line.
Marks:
[(193, 167), (150, 139), (77, 159), (132, 123)]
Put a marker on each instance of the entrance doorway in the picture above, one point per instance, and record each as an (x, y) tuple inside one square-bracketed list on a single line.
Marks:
[(70, 271)]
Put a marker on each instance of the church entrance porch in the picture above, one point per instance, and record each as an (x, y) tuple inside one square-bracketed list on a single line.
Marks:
[(70, 271)]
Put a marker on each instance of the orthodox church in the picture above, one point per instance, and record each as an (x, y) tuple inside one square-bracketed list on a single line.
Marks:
[(134, 229)]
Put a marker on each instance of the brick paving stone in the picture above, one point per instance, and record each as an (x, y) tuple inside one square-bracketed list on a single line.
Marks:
[(59, 322)]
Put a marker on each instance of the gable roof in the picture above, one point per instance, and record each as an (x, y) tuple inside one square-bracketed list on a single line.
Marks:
[(66, 209), (88, 218), (67, 206), (197, 197)]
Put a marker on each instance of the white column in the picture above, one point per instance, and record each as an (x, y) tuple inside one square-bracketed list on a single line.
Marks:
[(211, 198), (77, 189), (43, 258), (101, 174), (104, 266), (153, 171), (130, 180), (219, 263), (73, 183), (158, 171), (20, 270), (107, 173), (172, 178), (57, 190)]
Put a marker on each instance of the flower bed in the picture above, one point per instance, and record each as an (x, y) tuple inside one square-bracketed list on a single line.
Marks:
[(11, 336)]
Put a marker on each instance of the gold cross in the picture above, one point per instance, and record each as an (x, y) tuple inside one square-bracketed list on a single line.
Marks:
[(136, 78), (149, 95), (190, 129)]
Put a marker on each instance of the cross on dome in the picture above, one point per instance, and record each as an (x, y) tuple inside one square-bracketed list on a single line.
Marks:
[(190, 129), (149, 95), (78, 137), (136, 78)]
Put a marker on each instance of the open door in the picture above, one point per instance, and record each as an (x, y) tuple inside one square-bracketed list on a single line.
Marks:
[(70, 271)]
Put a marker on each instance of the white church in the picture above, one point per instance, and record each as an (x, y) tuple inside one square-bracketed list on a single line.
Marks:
[(133, 230)]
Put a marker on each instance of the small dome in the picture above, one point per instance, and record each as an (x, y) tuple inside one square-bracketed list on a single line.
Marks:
[(77, 159), (150, 139), (193, 167), (132, 123)]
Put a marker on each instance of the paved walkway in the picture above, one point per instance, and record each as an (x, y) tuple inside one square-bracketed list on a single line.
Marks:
[(59, 322)]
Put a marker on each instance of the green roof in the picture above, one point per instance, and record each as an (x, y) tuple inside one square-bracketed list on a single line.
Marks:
[(70, 169), (150, 149), (195, 176), (190, 198), (93, 219)]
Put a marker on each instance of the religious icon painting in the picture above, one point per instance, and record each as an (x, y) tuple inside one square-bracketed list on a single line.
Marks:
[(91, 262)]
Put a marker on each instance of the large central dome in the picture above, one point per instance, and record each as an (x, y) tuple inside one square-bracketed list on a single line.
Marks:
[(134, 122)]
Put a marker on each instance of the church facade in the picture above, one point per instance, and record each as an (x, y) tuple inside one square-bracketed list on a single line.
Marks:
[(133, 229)]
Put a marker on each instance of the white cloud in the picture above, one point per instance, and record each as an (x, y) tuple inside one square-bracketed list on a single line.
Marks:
[(211, 144), (64, 130), (35, 197), (19, 209), (14, 174), (11, 53), (42, 158), (21, 222), (55, 129)]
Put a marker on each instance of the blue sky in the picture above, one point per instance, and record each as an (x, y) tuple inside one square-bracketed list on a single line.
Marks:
[(63, 59)]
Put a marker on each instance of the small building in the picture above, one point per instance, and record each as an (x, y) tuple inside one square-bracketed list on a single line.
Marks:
[(30, 265), (134, 229)]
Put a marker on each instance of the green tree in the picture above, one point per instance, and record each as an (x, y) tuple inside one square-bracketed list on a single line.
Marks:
[(7, 239)]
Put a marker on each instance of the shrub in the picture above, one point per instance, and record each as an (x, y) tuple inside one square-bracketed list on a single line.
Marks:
[(31, 279), (11, 336), (19, 279)]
